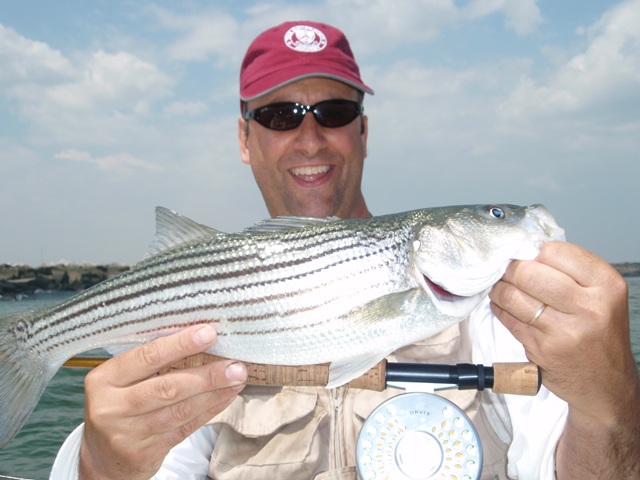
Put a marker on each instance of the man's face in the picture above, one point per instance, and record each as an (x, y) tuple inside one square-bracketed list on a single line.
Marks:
[(310, 170)]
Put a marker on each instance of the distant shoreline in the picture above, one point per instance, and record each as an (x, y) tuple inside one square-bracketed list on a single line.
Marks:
[(23, 280), (628, 269)]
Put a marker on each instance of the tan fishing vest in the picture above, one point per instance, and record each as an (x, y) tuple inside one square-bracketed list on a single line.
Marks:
[(302, 433)]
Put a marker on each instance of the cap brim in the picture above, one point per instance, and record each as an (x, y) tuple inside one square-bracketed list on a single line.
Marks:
[(249, 95)]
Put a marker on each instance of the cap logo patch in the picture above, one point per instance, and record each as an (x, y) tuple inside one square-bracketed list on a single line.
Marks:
[(303, 38)]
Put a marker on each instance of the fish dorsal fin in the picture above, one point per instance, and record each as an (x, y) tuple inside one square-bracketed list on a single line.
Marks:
[(174, 229), (286, 223)]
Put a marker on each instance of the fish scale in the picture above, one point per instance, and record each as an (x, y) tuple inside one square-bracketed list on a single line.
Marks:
[(288, 291)]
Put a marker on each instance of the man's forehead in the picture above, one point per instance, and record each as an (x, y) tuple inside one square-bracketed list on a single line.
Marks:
[(308, 90)]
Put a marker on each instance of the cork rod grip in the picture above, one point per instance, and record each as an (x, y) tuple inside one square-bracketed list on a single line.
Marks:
[(290, 375), (516, 378), (269, 375), (511, 378)]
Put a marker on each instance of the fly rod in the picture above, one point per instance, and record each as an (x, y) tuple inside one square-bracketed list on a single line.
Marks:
[(512, 378)]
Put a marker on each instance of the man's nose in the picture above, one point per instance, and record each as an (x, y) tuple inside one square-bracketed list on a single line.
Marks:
[(310, 134)]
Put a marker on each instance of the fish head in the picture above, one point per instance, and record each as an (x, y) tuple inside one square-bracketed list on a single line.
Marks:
[(459, 253)]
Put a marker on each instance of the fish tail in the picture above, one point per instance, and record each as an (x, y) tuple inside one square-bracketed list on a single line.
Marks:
[(23, 376)]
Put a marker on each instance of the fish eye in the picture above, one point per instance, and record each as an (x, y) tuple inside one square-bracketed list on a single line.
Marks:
[(497, 212)]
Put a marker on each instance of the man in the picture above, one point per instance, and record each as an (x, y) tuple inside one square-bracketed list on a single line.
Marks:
[(568, 309)]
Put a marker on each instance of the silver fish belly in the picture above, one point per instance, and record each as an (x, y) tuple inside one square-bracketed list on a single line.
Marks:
[(289, 291)]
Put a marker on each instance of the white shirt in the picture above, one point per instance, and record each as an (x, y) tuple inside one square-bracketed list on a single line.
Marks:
[(531, 425)]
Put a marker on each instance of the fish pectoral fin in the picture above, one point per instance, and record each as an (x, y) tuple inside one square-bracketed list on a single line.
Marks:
[(389, 306), (344, 371)]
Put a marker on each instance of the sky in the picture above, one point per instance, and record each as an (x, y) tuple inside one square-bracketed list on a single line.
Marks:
[(109, 108)]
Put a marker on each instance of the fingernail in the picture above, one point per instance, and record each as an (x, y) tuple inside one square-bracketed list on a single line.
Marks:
[(236, 372), (205, 335)]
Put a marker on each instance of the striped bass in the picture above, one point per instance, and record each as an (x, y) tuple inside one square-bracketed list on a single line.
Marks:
[(287, 291)]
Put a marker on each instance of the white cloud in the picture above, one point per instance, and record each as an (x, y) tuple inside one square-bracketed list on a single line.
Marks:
[(399, 24), (455, 108), (411, 79), (391, 24), (202, 35), (523, 16), (604, 80), (122, 163), (112, 81), (34, 73), (96, 98), (24, 60), (186, 109)]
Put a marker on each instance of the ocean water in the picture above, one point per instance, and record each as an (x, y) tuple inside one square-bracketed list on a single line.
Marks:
[(31, 453)]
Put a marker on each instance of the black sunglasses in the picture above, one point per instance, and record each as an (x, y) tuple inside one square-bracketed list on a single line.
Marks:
[(289, 115)]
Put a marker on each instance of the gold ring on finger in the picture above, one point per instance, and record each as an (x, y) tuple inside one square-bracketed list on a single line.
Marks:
[(536, 315)]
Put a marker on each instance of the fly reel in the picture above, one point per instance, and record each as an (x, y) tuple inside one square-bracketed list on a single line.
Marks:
[(418, 436)]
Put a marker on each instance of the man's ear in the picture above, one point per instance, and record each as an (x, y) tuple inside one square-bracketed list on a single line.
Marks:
[(364, 133), (243, 140)]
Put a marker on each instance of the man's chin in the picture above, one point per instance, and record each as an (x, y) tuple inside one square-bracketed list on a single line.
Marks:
[(315, 209)]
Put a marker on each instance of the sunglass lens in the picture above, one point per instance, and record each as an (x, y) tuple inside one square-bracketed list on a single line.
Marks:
[(279, 117), (333, 114)]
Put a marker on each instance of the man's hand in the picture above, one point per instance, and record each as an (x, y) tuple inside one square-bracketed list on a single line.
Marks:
[(581, 342), (135, 416)]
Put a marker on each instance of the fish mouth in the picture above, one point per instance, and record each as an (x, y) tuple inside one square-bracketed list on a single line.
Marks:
[(545, 221), (450, 303), (440, 292)]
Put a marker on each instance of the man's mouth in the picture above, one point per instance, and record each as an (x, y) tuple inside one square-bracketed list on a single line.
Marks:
[(310, 174)]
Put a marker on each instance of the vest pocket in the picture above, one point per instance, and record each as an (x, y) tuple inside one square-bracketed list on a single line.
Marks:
[(270, 433)]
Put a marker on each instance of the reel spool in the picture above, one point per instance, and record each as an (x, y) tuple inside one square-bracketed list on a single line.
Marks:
[(418, 436)]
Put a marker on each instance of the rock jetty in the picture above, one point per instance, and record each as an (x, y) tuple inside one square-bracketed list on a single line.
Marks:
[(22, 279), (628, 269)]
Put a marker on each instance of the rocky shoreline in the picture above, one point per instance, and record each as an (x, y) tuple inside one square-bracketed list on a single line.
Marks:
[(628, 269), (16, 280)]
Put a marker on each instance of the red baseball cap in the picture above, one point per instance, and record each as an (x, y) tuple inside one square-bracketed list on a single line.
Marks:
[(296, 50)]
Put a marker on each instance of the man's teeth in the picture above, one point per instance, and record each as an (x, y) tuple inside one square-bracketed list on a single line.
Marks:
[(310, 171)]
